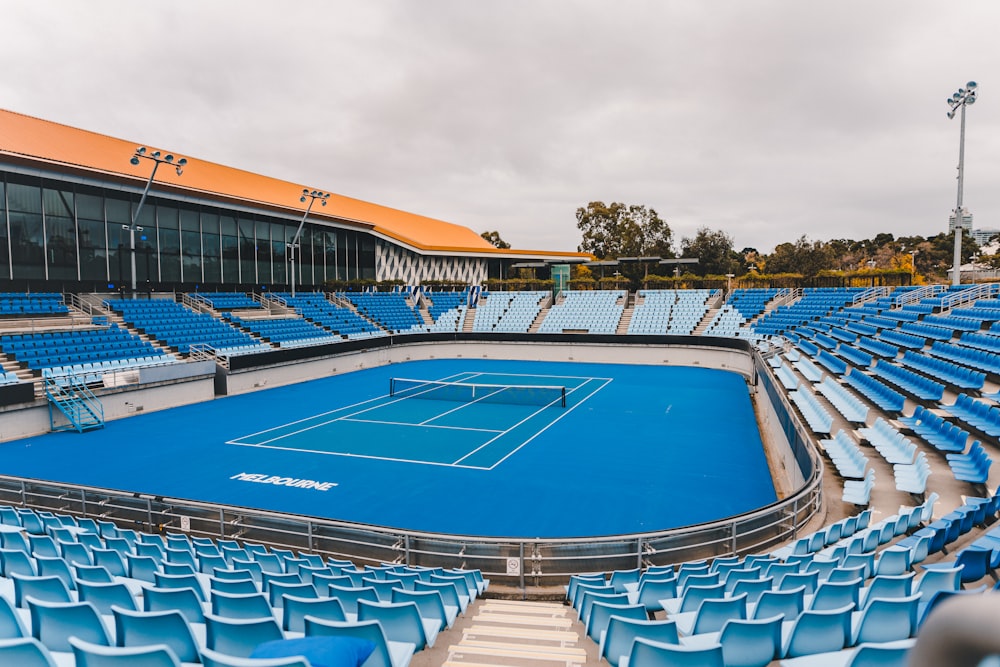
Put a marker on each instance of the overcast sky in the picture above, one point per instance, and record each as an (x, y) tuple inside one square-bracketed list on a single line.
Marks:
[(764, 119)]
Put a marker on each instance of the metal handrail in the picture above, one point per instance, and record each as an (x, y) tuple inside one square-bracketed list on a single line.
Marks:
[(515, 561)]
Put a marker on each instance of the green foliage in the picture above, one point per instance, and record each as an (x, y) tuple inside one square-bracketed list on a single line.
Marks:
[(618, 230), (714, 252), (494, 239)]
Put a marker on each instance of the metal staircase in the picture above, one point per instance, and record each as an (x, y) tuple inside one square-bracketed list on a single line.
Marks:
[(79, 408)]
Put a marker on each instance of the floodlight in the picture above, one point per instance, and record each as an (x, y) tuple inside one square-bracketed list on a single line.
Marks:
[(971, 85), (141, 150), (155, 154), (183, 161), (971, 99), (134, 160)]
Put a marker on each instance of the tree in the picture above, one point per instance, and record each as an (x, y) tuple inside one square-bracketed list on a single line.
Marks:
[(714, 252), (494, 238), (803, 256), (617, 230)]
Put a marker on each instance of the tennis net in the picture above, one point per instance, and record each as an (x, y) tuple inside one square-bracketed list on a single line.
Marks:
[(465, 392)]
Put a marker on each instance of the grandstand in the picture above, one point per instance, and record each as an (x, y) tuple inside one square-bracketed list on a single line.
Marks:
[(879, 410)]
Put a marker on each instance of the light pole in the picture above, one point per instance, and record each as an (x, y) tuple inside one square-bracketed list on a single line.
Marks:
[(313, 195), (961, 99), (141, 154)]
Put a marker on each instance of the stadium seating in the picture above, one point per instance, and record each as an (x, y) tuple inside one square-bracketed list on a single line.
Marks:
[(390, 310), (596, 311), (339, 319), (179, 327), (28, 304), (508, 312), (85, 352)]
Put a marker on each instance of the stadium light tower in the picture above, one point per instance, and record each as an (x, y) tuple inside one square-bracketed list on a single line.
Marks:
[(313, 195), (960, 100), (142, 154)]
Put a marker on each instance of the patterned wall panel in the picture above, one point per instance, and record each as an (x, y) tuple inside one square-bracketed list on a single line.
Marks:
[(392, 261)]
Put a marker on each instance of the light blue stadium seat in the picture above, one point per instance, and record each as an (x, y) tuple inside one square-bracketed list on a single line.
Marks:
[(25, 652), (95, 655), (387, 653), (53, 623), (138, 628), (239, 636)]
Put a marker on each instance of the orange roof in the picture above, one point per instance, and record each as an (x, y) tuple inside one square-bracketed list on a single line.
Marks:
[(50, 142)]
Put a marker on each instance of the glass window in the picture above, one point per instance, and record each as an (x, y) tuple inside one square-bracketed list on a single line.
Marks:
[(93, 249), (263, 248), (89, 206), (60, 247), (248, 252), (280, 236), (24, 198), (26, 244), (210, 265), (191, 251), (230, 251), (58, 203), (4, 238), (189, 221), (118, 212)]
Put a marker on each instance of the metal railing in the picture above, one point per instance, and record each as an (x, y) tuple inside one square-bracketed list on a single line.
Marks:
[(871, 294), (916, 295), (519, 562), (969, 295)]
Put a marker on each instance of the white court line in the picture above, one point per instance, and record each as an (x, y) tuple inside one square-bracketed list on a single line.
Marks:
[(539, 411), (362, 456), (468, 375), (607, 381), (422, 425), (324, 423)]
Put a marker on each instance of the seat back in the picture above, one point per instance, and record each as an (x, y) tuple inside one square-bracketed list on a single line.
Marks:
[(184, 600), (139, 628), (53, 623), (654, 654), (873, 655), (652, 590), (48, 589), (430, 604), (888, 619), (788, 603), (820, 631), (105, 596), (885, 586), (601, 613), (370, 630), (713, 614), (694, 595), (751, 643), (837, 594), (210, 658), (233, 586), (11, 626), (24, 652), (622, 632), (349, 597), (296, 609), (239, 636), (251, 605), (401, 621), (939, 579)]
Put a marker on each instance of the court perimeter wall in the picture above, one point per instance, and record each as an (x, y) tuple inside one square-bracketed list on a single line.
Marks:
[(520, 563)]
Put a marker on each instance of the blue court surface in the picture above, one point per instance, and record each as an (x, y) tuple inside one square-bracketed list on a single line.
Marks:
[(489, 449)]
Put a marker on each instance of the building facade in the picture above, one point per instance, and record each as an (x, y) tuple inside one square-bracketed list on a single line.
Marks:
[(68, 198)]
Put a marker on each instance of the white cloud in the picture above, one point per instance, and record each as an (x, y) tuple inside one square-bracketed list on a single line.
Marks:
[(765, 119)]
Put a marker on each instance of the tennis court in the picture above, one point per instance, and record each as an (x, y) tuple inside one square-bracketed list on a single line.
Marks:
[(468, 446), (470, 420)]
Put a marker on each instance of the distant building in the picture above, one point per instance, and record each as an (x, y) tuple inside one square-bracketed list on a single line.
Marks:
[(983, 236), (966, 221)]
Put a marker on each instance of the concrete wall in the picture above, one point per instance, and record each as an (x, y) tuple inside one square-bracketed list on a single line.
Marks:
[(118, 403), (238, 382)]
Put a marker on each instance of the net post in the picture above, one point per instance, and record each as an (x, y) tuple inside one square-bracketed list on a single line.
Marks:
[(564, 397), (392, 386)]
